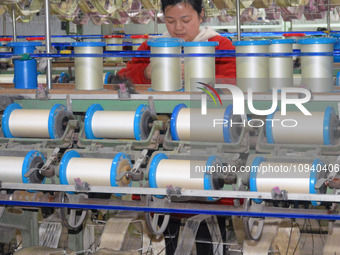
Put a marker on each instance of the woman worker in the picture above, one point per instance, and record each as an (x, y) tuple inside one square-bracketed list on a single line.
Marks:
[(183, 19)]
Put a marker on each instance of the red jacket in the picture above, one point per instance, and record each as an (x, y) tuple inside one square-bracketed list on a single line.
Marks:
[(225, 67)]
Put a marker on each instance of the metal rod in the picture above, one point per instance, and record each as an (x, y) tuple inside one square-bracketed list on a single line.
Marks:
[(156, 23), (186, 208), (238, 20), (14, 25), (163, 192), (328, 16), (48, 44), (4, 24)]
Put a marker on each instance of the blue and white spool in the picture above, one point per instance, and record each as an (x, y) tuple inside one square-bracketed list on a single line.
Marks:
[(166, 74), (252, 72), (114, 39), (199, 68), (188, 124), (291, 177), (13, 169), (88, 70), (117, 124), (319, 128), (188, 174), (281, 68), (22, 123), (317, 71), (94, 171)]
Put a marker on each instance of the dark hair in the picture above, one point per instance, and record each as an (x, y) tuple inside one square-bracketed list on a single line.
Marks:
[(321, 29), (196, 4)]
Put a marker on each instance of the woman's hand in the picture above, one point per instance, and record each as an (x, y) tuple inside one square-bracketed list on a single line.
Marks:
[(147, 72)]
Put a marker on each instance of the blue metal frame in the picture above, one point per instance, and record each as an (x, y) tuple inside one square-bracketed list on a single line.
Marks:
[(200, 44), (165, 42), (88, 44), (254, 43), (223, 211), (319, 40)]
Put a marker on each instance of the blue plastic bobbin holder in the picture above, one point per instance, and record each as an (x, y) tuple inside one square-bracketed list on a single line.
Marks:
[(63, 78), (54, 126), (165, 42), (88, 120), (228, 114), (337, 83), (200, 44), (153, 169), (88, 44), (63, 166), (173, 121), (317, 167), (253, 175), (208, 180), (115, 167), (336, 46), (330, 114), (25, 71), (137, 122), (282, 41), (5, 119), (27, 164), (319, 40), (106, 79), (180, 90), (251, 43)]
